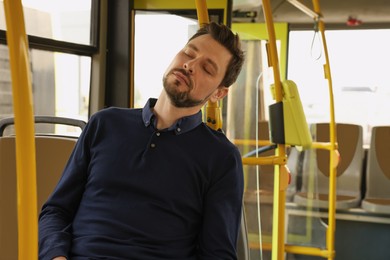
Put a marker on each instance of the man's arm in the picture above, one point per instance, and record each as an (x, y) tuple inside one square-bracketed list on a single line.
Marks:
[(222, 212), (55, 219)]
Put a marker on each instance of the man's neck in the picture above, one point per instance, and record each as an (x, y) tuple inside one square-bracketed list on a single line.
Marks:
[(167, 114)]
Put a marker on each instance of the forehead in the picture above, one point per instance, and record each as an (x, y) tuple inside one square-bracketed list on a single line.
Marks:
[(213, 50)]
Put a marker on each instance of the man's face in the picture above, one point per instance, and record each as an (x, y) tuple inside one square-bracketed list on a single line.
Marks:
[(195, 74)]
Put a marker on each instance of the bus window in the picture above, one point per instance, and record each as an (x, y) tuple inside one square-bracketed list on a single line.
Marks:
[(60, 84), (360, 78), (61, 46), (68, 21)]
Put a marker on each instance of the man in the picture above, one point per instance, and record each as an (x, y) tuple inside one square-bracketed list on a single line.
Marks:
[(155, 183)]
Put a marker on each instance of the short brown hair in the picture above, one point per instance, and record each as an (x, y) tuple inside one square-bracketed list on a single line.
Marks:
[(222, 34)]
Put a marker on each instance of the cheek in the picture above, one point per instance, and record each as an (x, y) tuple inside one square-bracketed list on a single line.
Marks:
[(175, 63), (204, 87), (208, 83)]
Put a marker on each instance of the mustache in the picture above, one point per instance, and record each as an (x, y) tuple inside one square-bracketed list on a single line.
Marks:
[(185, 73)]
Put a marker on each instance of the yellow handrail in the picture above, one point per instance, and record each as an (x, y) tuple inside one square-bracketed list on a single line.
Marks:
[(329, 252), (24, 128), (202, 12), (280, 178), (333, 142)]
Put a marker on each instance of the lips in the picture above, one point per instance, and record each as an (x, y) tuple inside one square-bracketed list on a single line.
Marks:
[(182, 77)]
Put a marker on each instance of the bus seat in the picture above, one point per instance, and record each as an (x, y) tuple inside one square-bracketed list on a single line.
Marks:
[(52, 153), (266, 172), (377, 196), (349, 170)]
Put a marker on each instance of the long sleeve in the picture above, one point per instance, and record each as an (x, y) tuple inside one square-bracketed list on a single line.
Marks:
[(222, 212)]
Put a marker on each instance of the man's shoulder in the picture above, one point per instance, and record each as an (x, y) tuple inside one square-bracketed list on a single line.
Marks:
[(115, 116), (116, 112), (219, 137)]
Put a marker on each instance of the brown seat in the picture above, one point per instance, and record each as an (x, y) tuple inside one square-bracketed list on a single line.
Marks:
[(52, 153), (315, 181), (377, 197)]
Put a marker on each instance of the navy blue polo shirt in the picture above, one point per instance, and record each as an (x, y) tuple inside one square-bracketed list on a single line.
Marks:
[(130, 191)]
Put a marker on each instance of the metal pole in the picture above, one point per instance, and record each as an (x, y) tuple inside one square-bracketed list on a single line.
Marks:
[(24, 128)]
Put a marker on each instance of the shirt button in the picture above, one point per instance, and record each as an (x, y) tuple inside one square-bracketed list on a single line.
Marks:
[(158, 133), (152, 145)]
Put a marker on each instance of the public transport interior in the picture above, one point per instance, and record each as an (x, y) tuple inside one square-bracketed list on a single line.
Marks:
[(326, 192)]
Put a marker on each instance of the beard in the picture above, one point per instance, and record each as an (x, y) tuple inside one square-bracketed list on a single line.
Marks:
[(180, 98)]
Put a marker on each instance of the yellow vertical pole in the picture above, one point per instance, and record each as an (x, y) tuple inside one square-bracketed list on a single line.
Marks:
[(24, 128), (333, 142), (279, 192), (202, 12), (213, 111)]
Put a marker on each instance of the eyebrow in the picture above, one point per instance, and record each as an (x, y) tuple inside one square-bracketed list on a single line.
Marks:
[(210, 61)]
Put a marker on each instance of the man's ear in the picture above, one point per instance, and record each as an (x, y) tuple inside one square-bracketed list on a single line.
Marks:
[(219, 94)]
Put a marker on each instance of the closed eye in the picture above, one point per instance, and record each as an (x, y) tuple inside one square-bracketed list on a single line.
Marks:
[(189, 53), (207, 69)]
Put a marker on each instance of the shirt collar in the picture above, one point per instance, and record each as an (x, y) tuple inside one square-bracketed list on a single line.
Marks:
[(181, 126)]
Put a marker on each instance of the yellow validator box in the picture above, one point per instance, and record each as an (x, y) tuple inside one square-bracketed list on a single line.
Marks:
[(287, 119)]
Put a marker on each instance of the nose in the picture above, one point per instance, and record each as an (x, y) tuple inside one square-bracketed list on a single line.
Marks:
[(188, 66)]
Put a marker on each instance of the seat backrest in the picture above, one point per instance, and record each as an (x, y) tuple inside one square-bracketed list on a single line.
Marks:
[(266, 176), (267, 172), (350, 167), (52, 154), (8, 211), (315, 173), (378, 164)]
